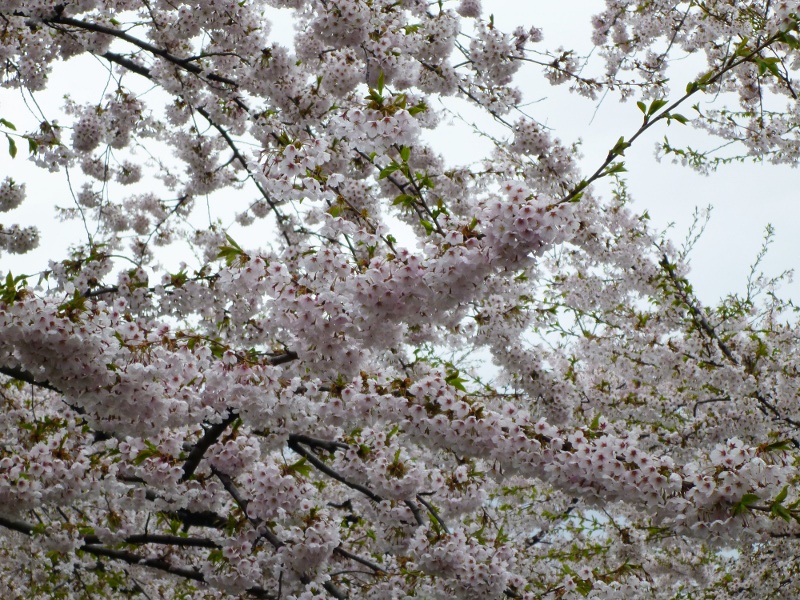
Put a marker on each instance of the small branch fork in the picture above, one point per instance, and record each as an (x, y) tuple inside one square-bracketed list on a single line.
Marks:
[(703, 325), (563, 515), (58, 21), (665, 113)]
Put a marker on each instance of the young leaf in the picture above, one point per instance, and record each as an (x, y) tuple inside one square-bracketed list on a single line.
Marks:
[(780, 446), (456, 381), (744, 504), (388, 170), (620, 147), (381, 81), (655, 105), (782, 512), (299, 468), (233, 243), (781, 495), (404, 200)]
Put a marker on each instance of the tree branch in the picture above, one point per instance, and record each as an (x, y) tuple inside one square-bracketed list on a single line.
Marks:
[(208, 439), (22, 375), (321, 466)]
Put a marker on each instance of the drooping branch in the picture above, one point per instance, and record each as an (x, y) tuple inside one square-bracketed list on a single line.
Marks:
[(127, 63)]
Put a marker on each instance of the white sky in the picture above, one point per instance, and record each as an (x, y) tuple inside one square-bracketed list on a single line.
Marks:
[(745, 197)]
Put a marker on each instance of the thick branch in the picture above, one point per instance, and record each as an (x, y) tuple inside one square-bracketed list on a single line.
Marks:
[(321, 466), (433, 513), (92, 546), (367, 563), (211, 435), (21, 375), (167, 540), (242, 503), (183, 63)]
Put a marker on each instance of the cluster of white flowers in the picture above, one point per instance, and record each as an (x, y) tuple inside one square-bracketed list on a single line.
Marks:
[(18, 240), (13, 238), (11, 194), (308, 419)]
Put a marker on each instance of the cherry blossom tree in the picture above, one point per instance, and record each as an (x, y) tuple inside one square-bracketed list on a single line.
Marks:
[(415, 381)]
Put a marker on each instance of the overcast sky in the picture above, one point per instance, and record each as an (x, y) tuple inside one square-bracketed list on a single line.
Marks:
[(745, 197)]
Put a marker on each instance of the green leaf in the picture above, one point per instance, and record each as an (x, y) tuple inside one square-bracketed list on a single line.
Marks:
[(655, 105), (781, 496), (788, 39), (741, 47), (767, 64), (9, 292), (216, 556), (427, 225), (457, 382), (782, 512), (781, 446), (700, 83), (404, 199), (388, 170), (150, 450), (595, 423), (233, 243), (414, 110), (620, 147), (299, 468), (642, 107), (705, 78), (229, 254), (405, 153), (12, 146), (8, 124), (744, 504), (679, 118), (381, 81), (584, 586)]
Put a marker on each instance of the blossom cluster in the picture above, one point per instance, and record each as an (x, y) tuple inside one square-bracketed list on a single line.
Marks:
[(389, 377)]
